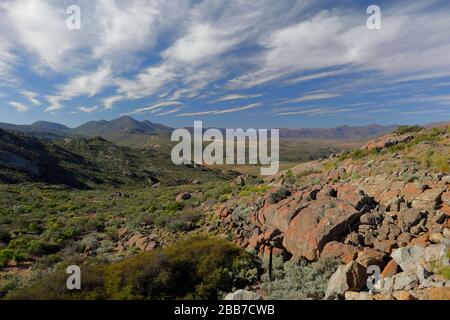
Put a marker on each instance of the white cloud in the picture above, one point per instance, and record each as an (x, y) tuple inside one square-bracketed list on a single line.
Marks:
[(88, 84), (231, 97), (217, 112), (312, 97), (110, 101), (169, 112), (155, 108), (31, 96), (87, 110), (18, 106)]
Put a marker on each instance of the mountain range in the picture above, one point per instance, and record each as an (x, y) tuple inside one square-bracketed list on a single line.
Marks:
[(126, 125)]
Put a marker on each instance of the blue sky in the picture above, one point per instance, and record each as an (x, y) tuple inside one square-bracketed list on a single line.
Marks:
[(240, 63)]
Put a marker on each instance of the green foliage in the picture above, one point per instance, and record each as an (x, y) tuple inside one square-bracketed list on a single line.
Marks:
[(193, 269), (407, 129), (296, 281), (279, 195)]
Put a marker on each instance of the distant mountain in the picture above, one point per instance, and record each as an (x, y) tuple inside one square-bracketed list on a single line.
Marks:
[(338, 133), (130, 132), (126, 125)]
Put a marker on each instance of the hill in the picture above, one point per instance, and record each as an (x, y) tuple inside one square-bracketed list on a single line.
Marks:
[(83, 163)]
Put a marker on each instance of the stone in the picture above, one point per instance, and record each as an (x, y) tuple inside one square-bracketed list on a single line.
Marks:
[(435, 237), (439, 293), (369, 257), (354, 238), (357, 296), (355, 197), (405, 281), (316, 225), (385, 246), (428, 200), (403, 295), (385, 285), (345, 252), (446, 233), (390, 269), (435, 252), (410, 218), (279, 215), (371, 218), (422, 273), (183, 196), (410, 192), (350, 277), (326, 192), (243, 295), (445, 198), (408, 258)]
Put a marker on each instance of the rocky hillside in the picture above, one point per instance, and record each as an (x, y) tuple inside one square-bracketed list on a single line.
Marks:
[(386, 204), (87, 163)]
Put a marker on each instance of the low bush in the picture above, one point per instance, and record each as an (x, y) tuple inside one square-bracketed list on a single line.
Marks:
[(279, 195), (297, 281), (199, 268)]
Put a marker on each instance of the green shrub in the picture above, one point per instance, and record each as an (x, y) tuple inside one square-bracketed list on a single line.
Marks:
[(279, 195), (296, 281), (193, 269), (407, 129)]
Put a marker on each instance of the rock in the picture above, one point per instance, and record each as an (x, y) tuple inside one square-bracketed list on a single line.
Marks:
[(243, 295), (183, 196), (435, 237), (410, 192), (438, 293), (321, 222), (223, 212), (428, 200), (350, 277), (403, 295), (355, 197), (326, 192), (405, 281), (422, 273), (390, 269), (385, 285), (369, 257), (403, 239), (388, 141), (354, 238), (408, 258), (352, 295), (446, 233), (410, 218), (142, 242), (435, 252), (445, 198), (385, 246), (371, 218), (345, 252), (279, 215)]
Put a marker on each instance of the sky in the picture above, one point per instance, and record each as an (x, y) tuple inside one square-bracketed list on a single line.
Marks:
[(233, 64)]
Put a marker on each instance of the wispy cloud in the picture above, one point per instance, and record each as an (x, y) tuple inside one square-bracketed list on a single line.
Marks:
[(312, 97), (88, 109), (155, 107), (231, 97), (18, 106), (31, 96), (217, 112)]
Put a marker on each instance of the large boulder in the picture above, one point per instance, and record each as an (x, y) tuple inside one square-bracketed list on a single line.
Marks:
[(350, 277), (279, 215), (321, 222)]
